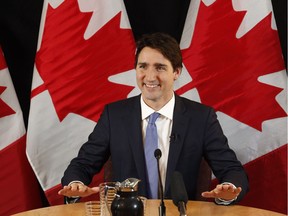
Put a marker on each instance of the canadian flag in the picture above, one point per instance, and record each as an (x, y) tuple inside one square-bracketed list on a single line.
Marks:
[(232, 61), (18, 185), (81, 45), (232, 53)]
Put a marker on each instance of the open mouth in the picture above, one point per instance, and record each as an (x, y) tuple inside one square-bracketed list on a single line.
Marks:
[(151, 85)]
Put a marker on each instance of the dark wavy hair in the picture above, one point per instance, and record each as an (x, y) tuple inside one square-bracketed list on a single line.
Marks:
[(164, 43)]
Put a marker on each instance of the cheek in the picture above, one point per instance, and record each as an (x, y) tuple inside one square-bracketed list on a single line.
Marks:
[(139, 79), (139, 75)]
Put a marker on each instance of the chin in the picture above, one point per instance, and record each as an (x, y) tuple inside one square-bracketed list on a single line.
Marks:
[(150, 97)]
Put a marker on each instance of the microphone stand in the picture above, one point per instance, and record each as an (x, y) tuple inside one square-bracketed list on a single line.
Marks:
[(182, 208), (162, 208)]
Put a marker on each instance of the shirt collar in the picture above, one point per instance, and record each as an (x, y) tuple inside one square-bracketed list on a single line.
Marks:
[(166, 110)]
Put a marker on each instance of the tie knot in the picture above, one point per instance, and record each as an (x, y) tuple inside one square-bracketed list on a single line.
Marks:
[(153, 117)]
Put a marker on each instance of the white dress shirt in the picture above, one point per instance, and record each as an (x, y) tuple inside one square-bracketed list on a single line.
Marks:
[(164, 126)]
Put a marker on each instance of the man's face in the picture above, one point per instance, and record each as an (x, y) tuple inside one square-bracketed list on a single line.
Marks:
[(155, 77)]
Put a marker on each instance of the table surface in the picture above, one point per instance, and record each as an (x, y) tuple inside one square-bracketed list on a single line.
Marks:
[(194, 208)]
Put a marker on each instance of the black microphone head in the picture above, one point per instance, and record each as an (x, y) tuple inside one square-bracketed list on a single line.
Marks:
[(178, 190), (157, 154)]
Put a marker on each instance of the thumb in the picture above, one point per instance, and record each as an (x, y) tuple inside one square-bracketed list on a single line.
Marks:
[(208, 194)]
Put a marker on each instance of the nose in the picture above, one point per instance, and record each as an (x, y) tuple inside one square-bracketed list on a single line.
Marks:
[(150, 74)]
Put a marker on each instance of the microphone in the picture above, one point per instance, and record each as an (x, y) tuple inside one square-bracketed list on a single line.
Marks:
[(179, 193), (173, 137), (162, 208)]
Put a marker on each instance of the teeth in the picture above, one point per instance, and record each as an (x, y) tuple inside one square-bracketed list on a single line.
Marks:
[(151, 86)]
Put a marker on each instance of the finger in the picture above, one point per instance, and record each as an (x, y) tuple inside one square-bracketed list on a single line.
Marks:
[(234, 190), (207, 194), (67, 187), (227, 187), (78, 190), (95, 189), (82, 188), (87, 192), (216, 192), (68, 193), (91, 191), (237, 191), (210, 194), (61, 192), (74, 187), (64, 190), (219, 187)]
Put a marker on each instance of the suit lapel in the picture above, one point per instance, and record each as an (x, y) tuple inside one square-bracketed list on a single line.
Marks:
[(180, 124), (132, 119)]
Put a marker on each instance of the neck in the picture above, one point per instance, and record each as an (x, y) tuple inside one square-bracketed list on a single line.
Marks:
[(157, 104)]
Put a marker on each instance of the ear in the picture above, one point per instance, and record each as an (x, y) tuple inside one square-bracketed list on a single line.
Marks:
[(177, 73)]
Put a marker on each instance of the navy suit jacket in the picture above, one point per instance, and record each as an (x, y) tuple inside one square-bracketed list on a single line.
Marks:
[(196, 133)]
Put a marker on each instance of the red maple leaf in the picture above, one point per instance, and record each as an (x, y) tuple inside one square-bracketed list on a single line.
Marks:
[(5, 110), (225, 69), (74, 70)]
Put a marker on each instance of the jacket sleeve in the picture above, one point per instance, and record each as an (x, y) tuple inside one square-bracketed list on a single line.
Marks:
[(221, 158)]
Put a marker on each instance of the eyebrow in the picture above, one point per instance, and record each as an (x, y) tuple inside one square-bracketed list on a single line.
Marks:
[(141, 63), (155, 65), (161, 65)]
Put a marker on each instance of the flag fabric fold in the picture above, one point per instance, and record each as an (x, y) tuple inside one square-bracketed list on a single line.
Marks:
[(81, 45), (232, 53), (18, 184)]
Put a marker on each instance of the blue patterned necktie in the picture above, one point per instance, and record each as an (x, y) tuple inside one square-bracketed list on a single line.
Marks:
[(151, 144)]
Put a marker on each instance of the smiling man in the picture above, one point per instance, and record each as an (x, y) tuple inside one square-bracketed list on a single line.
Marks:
[(155, 76), (124, 129)]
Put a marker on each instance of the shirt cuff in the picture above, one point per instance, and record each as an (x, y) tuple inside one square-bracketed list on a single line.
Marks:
[(71, 200), (75, 182)]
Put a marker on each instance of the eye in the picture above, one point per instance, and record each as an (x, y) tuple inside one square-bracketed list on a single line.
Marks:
[(142, 66), (161, 68)]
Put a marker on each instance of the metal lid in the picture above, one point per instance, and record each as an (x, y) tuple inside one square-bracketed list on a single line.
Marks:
[(130, 184)]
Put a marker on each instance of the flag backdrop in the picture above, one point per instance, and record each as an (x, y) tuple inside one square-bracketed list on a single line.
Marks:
[(18, 184), (236, 66), (81, 45), (232, 62)]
